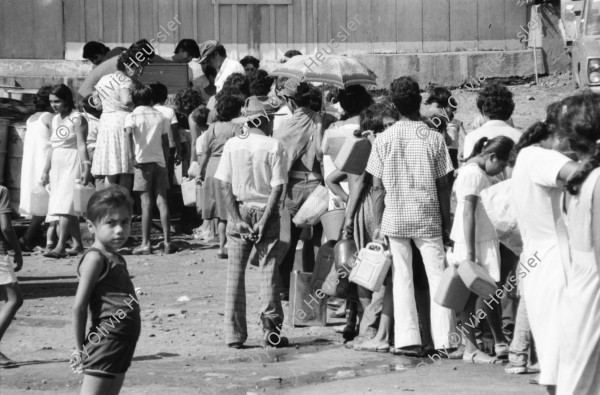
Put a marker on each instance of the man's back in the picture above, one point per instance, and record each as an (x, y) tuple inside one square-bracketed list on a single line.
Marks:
[(253, 164), (490, 129), (409, 157)]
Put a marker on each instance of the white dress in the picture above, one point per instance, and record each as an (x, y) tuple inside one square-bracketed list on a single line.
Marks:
[(65, 165), (35, 151), (472, 180), (536, 199), (579, 369)]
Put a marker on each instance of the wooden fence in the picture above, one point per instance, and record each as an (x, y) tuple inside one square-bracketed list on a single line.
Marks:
[(265, 28)]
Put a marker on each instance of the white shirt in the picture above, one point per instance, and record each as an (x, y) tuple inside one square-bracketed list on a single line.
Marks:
[(253, 166), (148, 125), (472, 180), (169, 114), (228, 67), (490, 129)]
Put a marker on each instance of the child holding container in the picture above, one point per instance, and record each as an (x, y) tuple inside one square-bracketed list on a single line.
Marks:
[(475, 238)]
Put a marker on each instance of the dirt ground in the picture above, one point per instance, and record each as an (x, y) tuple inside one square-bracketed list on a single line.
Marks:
[(181, 349)]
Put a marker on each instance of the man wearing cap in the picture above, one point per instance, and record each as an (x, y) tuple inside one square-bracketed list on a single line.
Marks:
[(253, 172), (214, 54)]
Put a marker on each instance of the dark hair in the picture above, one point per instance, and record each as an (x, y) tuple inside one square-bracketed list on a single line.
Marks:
[(107, 199), (220, 49), (250, 59), (372, 117), (92, 48), (439, 95), (160, 93), (141, 95), (187, 100), (200, 115), (495, 101), (354, 100), (85, 105), (291, 53), (41, 99), (501, 146), (190, 46), (406, 95), (537, 132), (261, 83), (541, 130), (579, 122), (228, 107), (63, 93), (129, 56), (235, 84), (302, 96), (316, 98)]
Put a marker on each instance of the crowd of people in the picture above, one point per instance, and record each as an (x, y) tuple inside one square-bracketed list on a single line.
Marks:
[(256, 164)]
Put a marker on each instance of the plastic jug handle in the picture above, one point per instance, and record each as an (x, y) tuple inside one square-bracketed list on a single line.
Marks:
[(374, 246)]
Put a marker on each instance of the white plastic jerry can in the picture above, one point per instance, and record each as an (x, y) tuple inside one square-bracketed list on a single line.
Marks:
[(372, 265)]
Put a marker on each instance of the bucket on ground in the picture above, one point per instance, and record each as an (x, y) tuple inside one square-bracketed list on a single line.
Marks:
[(332, 222)]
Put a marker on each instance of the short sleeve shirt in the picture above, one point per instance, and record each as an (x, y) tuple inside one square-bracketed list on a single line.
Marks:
[(148, 125), (253, 166), (471, 181), (169, 115), (536, 193), (409, 157)]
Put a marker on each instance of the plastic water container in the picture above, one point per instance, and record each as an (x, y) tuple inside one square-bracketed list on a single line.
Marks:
[(81, 197), (452, 291), (188, 191), (354, 155), (332, 222), (371, 267), (477, 279), (40, 198)]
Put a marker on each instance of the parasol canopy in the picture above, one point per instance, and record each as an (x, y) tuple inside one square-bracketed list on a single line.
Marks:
[(340, 71)]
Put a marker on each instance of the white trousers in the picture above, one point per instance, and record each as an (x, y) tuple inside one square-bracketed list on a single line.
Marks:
[(406, 322)]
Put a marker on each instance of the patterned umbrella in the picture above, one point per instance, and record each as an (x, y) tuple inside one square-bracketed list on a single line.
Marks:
[(340, 71)]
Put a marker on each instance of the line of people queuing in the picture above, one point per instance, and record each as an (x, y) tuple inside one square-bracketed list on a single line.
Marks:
[(257, 164)]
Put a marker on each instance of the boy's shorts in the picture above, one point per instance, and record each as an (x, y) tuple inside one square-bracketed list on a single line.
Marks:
[(109, 356), (7, 271), (150, 177)]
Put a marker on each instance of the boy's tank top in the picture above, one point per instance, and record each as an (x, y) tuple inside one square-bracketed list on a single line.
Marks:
[(114, 309)]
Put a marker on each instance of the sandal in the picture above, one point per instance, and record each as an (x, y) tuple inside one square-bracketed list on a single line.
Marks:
[(75, 251), (414, 351), (501, 350), (383, 347), (458, 353), (480, 357), (55, 255)]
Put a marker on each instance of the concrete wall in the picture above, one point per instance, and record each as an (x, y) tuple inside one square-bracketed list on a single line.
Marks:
[(451, 69)]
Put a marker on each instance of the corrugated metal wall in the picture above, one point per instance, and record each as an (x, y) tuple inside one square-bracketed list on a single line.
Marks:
[(265, 28)]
